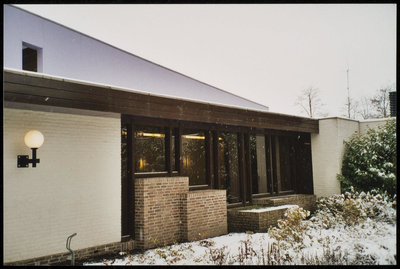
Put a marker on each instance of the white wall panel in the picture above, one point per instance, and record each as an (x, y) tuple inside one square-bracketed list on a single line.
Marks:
[(76, 187)]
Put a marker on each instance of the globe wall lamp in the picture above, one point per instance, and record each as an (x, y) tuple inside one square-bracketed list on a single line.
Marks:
[(33, 139)]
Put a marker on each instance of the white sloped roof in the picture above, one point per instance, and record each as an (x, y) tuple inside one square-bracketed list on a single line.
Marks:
[(69, 54)]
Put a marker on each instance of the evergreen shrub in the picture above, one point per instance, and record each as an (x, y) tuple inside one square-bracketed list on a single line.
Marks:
[(369, 161)]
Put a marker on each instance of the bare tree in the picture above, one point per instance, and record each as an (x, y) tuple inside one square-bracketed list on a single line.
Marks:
[(380, 102), (374, 107), (310, 102), (366, 108), (354, 109)]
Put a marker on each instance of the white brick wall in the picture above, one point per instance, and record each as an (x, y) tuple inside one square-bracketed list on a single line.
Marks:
[(373, 124), (327, 153), (76, 187), (328, 149)]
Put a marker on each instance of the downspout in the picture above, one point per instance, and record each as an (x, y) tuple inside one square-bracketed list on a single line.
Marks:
[(70, 250)]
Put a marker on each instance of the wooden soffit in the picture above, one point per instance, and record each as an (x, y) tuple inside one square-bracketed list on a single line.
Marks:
[(32, 88)]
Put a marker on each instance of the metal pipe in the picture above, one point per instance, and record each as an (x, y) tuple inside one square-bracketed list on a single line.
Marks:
[(70, 250), (34, 160)]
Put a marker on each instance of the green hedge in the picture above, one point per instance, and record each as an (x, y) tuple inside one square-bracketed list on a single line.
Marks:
[(369, 161)]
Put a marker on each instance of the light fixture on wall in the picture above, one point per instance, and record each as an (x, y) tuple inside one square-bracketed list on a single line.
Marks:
[(33, 139)]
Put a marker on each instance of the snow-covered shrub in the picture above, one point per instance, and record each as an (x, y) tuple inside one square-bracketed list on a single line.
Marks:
[(369, 161), (353, 207), (271, 255), (329, 256), (206, 243), (290, 230), (246, 251), (218, 255), (173, 253)]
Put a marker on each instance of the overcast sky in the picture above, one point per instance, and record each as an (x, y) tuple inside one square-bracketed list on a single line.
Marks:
[(267, 53)]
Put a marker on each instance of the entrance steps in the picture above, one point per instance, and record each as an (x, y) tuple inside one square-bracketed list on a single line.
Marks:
[(266, 212)]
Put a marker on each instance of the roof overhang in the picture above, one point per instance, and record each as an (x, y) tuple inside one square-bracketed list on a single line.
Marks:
[(35, 89)]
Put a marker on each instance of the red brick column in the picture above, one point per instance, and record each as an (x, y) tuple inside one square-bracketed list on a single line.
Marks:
[(206, 214), (166, 212), (158, 210)]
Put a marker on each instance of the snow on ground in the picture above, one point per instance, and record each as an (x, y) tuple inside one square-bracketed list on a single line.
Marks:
[(369, 242), (267, 208), (347, 229)]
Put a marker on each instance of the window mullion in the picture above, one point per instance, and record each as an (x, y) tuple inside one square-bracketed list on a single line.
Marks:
[(178, 145), (168, 150), (209, 176), (217, 178)]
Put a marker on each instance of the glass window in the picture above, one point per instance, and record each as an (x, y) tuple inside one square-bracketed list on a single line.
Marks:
[(124, 150), (29, 59), (194, 156), (125, 186), (304, 178), (229, 166), (149, 146), (285, 155), (173, 148), (258, 164)]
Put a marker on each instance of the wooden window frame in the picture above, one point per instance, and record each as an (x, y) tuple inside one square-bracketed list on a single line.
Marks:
[(170, 127), (212, 133), (128, 188), (207, 156)]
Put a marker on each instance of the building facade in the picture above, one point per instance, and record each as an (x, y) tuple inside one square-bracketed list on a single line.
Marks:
[(133, 153), (328, 149)]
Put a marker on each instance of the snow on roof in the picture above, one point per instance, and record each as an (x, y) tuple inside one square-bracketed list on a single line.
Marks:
[(77, 56)]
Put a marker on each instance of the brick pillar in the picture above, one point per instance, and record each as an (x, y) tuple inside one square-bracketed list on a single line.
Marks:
[(206, 214), (158, 210)]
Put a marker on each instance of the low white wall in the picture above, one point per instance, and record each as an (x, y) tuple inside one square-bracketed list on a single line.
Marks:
[(328, 149), (76, 187), (372, 124)]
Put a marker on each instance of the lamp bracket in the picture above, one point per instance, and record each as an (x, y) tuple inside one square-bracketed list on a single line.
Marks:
[(23, 161)]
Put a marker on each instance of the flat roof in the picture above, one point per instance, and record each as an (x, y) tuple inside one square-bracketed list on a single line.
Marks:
[(39, 89)]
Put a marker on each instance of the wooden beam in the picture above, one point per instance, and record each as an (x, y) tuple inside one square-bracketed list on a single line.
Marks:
[(37, 89)]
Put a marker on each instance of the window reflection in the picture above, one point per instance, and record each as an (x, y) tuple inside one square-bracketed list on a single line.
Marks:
[(229, 166), (194, 156), (258, 164), (156, 149), (173, 148), (124, 151), (285, 159), (149, 145)]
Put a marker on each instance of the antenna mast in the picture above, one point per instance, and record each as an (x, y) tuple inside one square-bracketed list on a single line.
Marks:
[(348, 93)]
